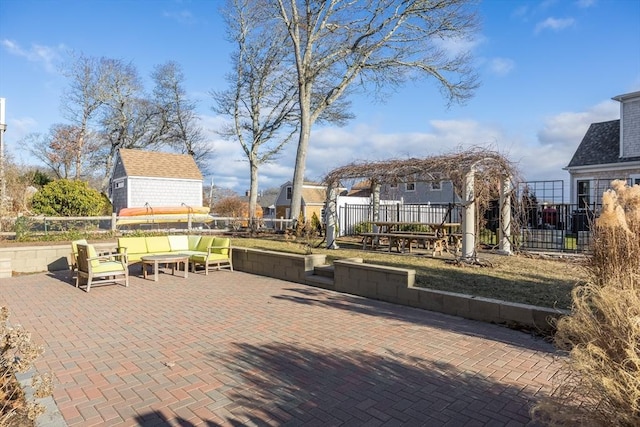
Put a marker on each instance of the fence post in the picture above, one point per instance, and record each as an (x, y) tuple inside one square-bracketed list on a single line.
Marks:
[(114, 218)]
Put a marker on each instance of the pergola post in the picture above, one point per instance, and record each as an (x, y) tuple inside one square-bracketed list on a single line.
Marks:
[(375, 201), (468, 216), (505, 216), (331, 215)]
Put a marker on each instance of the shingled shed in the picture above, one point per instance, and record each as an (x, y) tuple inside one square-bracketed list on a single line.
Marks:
[(478, 176), (154, 178)]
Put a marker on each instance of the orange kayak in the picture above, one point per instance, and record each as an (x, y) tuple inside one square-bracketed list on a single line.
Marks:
[(163, 210)]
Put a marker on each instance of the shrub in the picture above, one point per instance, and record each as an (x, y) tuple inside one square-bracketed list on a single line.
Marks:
[(600, 384), (69, 198), (363, 227)]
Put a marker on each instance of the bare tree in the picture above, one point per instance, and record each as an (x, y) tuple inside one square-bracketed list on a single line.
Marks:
[(261, 99), (177, 122), (61, 150), (81, 103), (377, 44)]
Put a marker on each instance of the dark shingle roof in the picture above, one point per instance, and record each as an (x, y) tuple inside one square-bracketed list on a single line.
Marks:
[(600, 145)]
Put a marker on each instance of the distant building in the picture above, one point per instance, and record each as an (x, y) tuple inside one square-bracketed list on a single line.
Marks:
[(609, 150), (152, 178), (314, 196)]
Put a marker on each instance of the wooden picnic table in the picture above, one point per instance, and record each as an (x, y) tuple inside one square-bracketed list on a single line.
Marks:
[(402, 241), (438, 227)]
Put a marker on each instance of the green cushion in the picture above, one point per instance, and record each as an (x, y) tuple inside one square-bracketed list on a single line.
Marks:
[(106, 267), (204, 243), (91, 252), (193, 242), (134, 245), (157, 244), (179, 243), (75, 243), (212, 257), (221, 241)]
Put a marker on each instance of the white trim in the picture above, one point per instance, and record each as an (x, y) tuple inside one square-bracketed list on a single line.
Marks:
[(634, 177), (604, 167), (406, 187), (164, 179)]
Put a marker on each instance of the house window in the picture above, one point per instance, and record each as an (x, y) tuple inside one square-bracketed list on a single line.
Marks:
[(583, 194), (411, 186), (118, 184), (436, 185), (395, 185), (289, 192), (635, 179)]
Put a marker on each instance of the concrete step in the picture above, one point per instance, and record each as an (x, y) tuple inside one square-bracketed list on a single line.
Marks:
[(324, 271), (320, 281)]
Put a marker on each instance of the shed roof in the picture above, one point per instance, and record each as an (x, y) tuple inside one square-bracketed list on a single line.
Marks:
[(159, 165)]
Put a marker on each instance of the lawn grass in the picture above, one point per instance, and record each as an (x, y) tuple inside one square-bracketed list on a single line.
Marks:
[(519, 278)]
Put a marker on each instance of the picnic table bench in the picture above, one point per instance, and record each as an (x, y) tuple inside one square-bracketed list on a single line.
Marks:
[(402, 241)]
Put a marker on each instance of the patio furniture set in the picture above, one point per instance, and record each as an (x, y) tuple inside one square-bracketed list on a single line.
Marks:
[(93, 267)]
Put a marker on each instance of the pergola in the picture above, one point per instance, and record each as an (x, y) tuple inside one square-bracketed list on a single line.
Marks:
[(478, 176)]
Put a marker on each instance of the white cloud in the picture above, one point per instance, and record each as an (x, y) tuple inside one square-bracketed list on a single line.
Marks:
[(568, 128), (554, 24), (501, 66), (47, 56), (181, 16), (540, 155), (585, 3)]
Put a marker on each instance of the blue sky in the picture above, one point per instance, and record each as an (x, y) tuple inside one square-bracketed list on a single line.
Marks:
[(548, 69)]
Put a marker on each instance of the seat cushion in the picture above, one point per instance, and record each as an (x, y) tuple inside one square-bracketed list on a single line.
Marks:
[(202, 258), (107, 267)]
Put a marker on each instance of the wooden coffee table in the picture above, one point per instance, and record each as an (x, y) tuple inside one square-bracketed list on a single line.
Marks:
[(173, 259)]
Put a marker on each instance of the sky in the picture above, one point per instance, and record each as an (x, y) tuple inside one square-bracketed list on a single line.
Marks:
[(548, 69)]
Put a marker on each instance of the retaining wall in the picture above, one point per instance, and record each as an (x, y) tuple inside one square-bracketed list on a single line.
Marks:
[(390, 284)]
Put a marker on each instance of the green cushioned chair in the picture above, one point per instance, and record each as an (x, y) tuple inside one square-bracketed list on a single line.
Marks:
[(216, 254), (109, 268)]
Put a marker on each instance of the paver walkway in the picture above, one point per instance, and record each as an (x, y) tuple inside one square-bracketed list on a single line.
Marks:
[(237, 349)]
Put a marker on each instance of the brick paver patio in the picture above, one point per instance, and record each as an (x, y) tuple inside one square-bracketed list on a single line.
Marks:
[(236, 349)]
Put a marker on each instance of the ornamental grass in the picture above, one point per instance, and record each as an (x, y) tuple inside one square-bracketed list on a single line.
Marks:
[(600, 381)]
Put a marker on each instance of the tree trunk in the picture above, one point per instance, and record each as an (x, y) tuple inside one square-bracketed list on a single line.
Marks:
[(301, 155), (253, 194)]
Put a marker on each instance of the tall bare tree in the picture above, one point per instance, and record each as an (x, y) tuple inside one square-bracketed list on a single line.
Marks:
[(81, 103), (377, 44), (261, 99), (177, 122)]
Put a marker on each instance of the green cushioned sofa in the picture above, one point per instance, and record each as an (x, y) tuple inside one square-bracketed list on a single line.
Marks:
[(208, 251)]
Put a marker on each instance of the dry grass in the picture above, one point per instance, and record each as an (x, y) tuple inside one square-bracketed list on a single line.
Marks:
[(18, 354), (522, 279), (600, 384)]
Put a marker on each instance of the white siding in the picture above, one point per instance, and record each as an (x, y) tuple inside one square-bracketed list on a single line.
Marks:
[(164, 192)]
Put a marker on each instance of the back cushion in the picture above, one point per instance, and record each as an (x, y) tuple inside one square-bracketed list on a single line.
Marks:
[(75, 243), (179, 243), (221, 241), (91, 252), (204, 243), (193, 242), (158, 244), (134, 245)]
